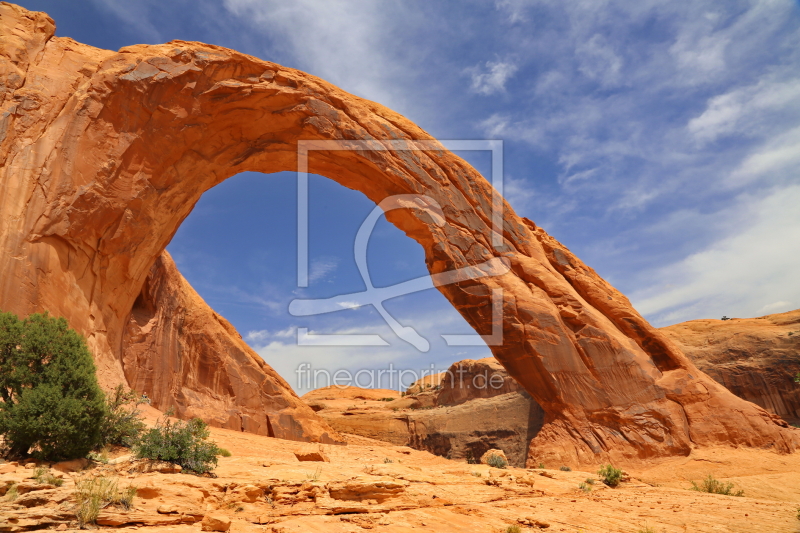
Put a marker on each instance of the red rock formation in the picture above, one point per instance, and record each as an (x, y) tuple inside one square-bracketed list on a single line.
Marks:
[(755, 358), (189, 358), (470, 379), (105, 153)]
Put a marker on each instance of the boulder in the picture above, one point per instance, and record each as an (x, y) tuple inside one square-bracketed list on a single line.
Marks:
[(216, 522), (75, 465), (493, 453)]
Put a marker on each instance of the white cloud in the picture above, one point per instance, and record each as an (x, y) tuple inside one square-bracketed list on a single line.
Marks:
[(742, 274), (348, 43), (493, 78), (776, 307), (778, 157), (320, 268), (598, 61)]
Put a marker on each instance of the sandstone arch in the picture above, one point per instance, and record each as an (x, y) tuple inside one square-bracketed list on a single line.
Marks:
[(104, 153)]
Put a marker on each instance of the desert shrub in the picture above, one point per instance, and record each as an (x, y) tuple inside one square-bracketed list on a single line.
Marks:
[(496, 461), (122, 424), (514, 529), (646, 529), (224, 453), (92, 495), (609, 475), (387, 460), (565, 469), (714, 486), (585, 487), (541, 465), (182, 443), (589, 481), (50, 403), (13, 493), (43, 476), (386, 399)]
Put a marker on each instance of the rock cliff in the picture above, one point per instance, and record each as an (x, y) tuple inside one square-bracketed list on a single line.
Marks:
[(103, 154), (477, 407), (755, 358), (189, 358)]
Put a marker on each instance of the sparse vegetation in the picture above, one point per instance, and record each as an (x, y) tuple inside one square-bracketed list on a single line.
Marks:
[(43, 476), (222, 452), (99, 456), (646, 529), (478, 474), (609, 475), (565, 469), (182, 443), (386, 460), (315, 475), (13, 493), (50, 403), (714, 486), (496, 461), (514, 529), (471, 459), (585, 487), (386, 400), (541, 465), (92, 495), (590, 481)]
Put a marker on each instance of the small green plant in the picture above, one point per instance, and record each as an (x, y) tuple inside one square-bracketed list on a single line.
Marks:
[(224, 453), (715, 486), (585, 487), (386, 460), (478, 474), (315, 475), (100, 456), (182, 443), (565, 469), (609, 475), (647, 529), (541, 465), (92, 495), (386, 399), (590, 481), (13, 493), (43, 476), (496, 461), (514, 529)]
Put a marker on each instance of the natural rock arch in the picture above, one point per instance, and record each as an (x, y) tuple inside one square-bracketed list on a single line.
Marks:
[(105, 153)]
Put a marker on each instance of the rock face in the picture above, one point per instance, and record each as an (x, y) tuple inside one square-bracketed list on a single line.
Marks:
[(473, 407), (104, 154), (755, 358), (189, 358)]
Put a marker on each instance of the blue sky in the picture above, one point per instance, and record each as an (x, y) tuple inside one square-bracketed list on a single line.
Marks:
[(659, 141)]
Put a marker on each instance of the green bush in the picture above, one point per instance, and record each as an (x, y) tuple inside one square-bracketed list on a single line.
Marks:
[(224, 453), (50, 403), (611, 476), (496, 461), (565, 469), (585, 487), (183, 443), (715, 486), (122, 424)]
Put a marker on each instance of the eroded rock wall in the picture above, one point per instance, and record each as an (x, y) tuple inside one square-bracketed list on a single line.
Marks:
[(755, 358)]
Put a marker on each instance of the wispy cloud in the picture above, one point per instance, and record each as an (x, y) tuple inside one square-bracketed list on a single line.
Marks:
[(321, 268), (492, 77)]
